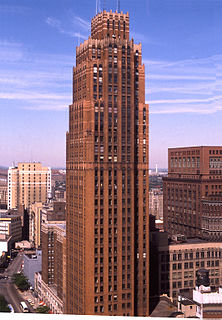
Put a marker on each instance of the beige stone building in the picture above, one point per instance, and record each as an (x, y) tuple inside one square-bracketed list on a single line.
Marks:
[(28, 182), (41, 213), (3, 194), (35, 224), (156, 203)]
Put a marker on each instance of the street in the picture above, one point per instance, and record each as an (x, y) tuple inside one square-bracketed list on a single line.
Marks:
[(15, 265), (7, 289)]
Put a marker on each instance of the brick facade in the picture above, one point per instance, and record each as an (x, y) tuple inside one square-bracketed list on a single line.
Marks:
[(107, 175)]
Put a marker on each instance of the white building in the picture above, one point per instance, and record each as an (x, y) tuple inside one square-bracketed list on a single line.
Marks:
[(204, 301), (48, 294)]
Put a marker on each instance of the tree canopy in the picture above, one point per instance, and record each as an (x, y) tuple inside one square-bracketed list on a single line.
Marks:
[(42, 309), (20, 281), (3, 304)]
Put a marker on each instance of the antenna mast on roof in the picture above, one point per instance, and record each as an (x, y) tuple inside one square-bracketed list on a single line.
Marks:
[(118, 6)]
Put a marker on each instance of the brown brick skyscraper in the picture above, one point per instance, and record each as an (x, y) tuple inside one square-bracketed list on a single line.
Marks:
[(107, 175), (194, 176)]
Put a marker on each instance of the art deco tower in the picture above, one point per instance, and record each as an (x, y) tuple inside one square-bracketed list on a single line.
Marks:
[(107, 175)]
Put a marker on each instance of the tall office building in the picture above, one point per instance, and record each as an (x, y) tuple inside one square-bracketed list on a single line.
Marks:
[(50, 283), (107, 175), (28, 182), (194, 177)]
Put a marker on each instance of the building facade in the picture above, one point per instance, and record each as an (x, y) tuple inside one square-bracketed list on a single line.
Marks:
[(28, 182), (11, 226), (3, 195), (32, 264), (156, 203), (35, 221), (176, 264), (41, 213), (211, 223), (203, 301), (5, 244), (48, 294), (194, 173), (107, 173), (53, 274)]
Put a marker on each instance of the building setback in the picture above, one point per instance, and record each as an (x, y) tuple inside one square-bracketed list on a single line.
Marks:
[(107, 175), (27, 183), (194, 174)]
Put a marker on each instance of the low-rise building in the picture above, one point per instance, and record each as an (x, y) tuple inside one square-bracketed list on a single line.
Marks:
[(203, 301), (48, 294), (24, 244), (174, 265), (5, 243), (11, 225), (32, 264)]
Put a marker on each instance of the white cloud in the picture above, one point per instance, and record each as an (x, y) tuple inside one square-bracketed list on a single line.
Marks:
[(186, 101), (55, 23), (42, 106), (28, 95), (11, 51), (192, 85), (34, 81), (202, 87), (178, 77), (82, 23)]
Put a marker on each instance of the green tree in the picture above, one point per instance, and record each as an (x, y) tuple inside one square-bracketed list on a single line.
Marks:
[(3, 304), (20, 281), (42, 309)]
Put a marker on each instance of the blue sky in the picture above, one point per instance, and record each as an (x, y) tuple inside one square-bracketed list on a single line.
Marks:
[(182, 53)]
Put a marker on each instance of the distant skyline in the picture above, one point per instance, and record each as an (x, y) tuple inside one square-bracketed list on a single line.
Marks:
[(182, 53)]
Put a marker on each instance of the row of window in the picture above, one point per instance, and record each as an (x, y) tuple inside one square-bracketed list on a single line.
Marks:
[(193, 162)]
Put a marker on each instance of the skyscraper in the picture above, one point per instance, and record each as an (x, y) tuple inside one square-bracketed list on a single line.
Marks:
[(107, 175), (194, 180), (28, 182)]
